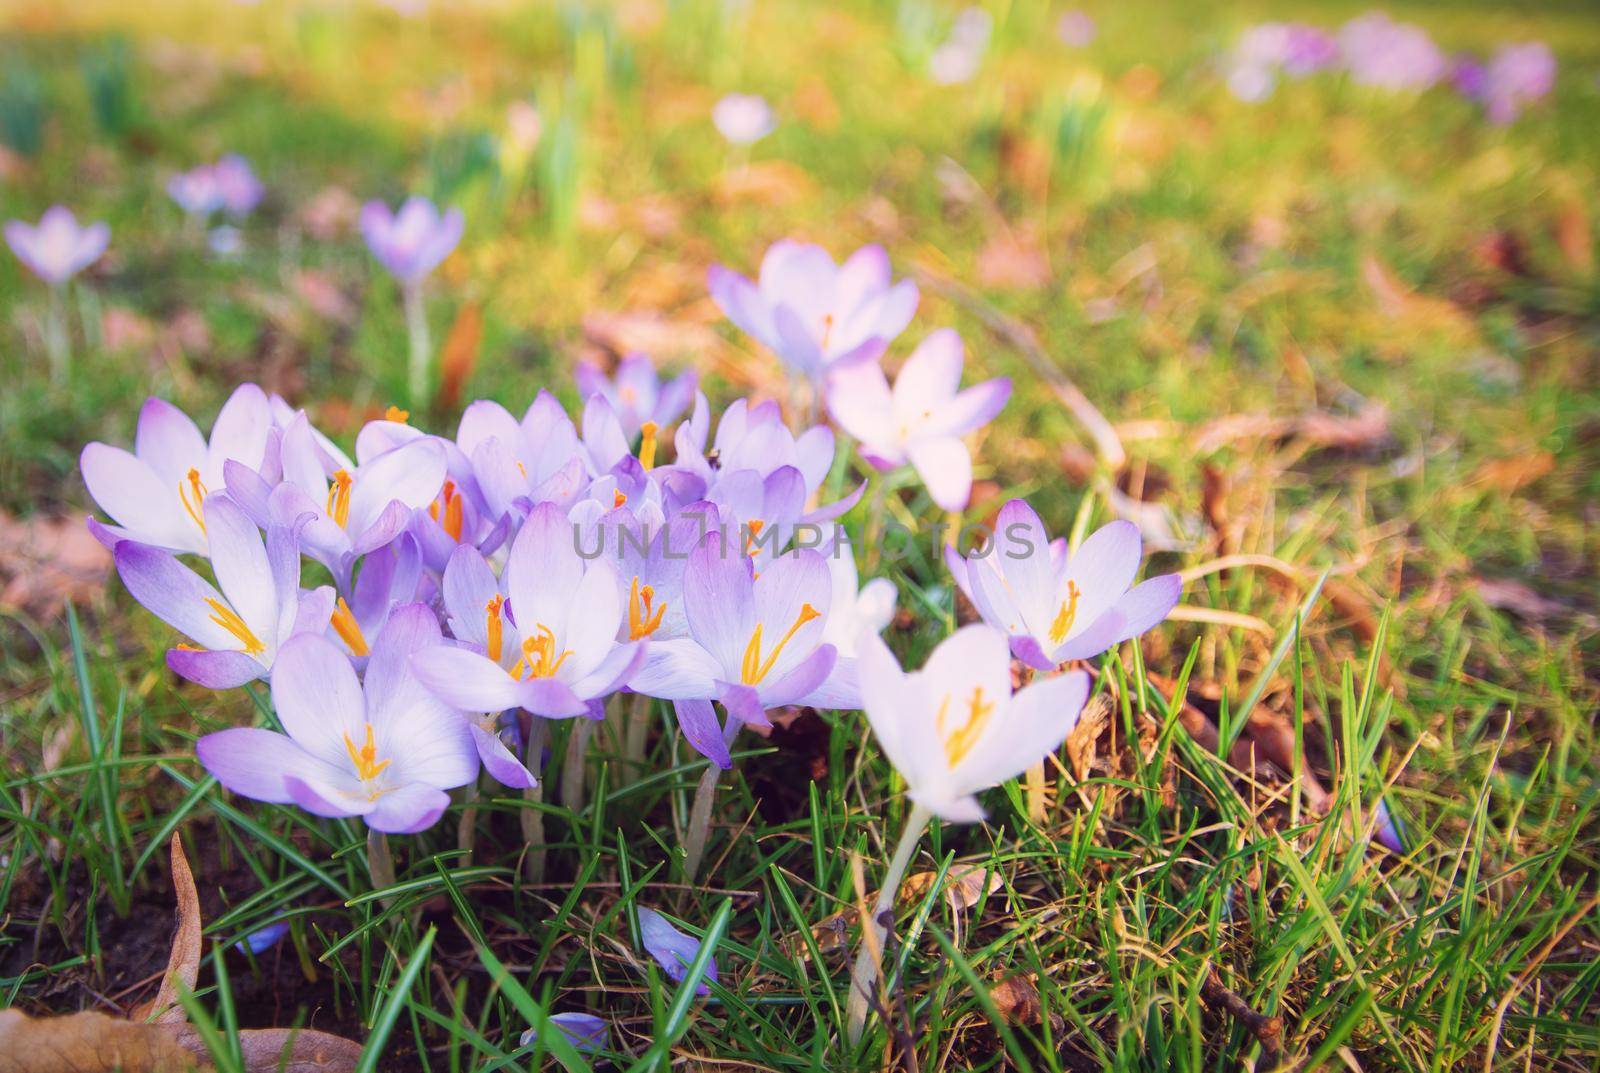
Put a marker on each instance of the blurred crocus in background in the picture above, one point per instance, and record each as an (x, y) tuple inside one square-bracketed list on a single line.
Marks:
[(239, 189), (196, 191), (922, 418), (1392, 55), (55, 250), (958, 59), (815, 314), (1517, 76), (1076, 28), (636, 392), (410, 244), (743, 118), (1270, 48)]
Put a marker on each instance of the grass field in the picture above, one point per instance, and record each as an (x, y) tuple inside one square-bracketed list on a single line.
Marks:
[(1348, 345)]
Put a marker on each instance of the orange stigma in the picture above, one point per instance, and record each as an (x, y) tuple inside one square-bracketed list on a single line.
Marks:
[(394, 413), (365, 759), (339, 497), (450, 519), (193, 493), (1065, 616), (229, 619), (349, 630), (754, 669), (496, 628), (539, 659), (644, 614), (753, 530), (647, 445), (619, 499), (960, 742)]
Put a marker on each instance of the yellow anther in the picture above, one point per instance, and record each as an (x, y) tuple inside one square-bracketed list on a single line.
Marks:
[(960, 742), (647, 445), (349, 630), (394, 413), (754, 669), (644, 614), (496, 626), (365, 758), (229, 619), (539, 659), (1065, 616), (339, 497), (193, 493)]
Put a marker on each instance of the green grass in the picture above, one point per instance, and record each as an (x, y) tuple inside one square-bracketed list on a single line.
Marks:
[(1205, 259)]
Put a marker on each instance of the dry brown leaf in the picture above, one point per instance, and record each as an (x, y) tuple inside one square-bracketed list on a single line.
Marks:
[(90, 1042), (965, 884), (183, 965), (1521, 600), (831, 934), (652, 333), (1573, 235), (1367, 427), (1085, 733), (769, 182), (45, 562), (1510, 475), (321, 293), (1013, 262), (1017, 1000), (297, 1050), (459, 355)]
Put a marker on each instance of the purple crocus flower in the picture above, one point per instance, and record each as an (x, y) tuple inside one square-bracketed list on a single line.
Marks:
[(1516, 77), (637, 394), (410, 243), (586, 1032), (854, 607), (954, 727), (813, 313), (754, 642), (240, 190), (263, 939), (548, 643), (388, 578), (57, 248), (922, 419), (743, 118), (196, 191), (753, 445), (1389, 832), (154, 493), (1389, 55), (1469, 77), (1076, 29), (1056, 606), (346, 513), (519, 464), (385, 750), (673, 950), (240, 629)]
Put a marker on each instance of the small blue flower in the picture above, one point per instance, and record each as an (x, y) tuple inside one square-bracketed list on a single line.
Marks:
[(584, 1031), (263, 939), (673, 950)]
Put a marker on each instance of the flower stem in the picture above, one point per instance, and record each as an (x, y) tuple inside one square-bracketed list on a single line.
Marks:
[(421, 356), (638, 729), (870, 958), (572, 772), (57, 346), (875, 506), (467, 826), (533, 818), (705, 795), (380, 862)]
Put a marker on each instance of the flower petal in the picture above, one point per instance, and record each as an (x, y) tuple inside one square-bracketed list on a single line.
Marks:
[(673, 950)]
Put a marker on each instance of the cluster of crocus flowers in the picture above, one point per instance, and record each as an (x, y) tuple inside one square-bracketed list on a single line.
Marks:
[(229, 185), (1516, 76)]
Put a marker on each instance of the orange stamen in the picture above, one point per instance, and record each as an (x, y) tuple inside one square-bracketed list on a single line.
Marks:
[(958, 744), (539, 659), (496, 626), (618, 500), (647, 445), (754, 669), (644, 615), (365, 759), (229, 619), (349, 630), (394, 413), (339, 497), (1065, 616), (193, 493), (753, 530), (451, 522)]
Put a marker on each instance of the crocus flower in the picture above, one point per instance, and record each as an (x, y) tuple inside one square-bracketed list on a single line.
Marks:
[(1389, 832), (1517, 76), (954, 727), (636, 394), (196, 191), (673, 950), (813, 313), (751, 438), (852, 608), (517, 465), (154, 494), (1381, 52), (922, 419), (743, 118), (237, 184), (1076, 28), (240, 629), (553, 650), (754, 642), (586, 1032), (959, 57), (390, 577), (57, 248), (263, 939), (410, 243), (1056, 606), (385, 750)]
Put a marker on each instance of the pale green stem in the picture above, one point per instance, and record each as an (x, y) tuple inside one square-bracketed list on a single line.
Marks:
[(380, 862), (421, 349), (532, 818), (864, 979), (467, 826), (875, 507), (705, 795), (57, 345), (574, 770), (638, 729)]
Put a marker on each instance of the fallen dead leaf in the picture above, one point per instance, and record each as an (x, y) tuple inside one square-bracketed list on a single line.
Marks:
[(1573, 235), (1085, 733), (1523, 601), (45, 562), (459, 355), (1013, 262), (183, 965), (1017, 999), (1510, 475), (965, 884), (90, 1042), (768, 182)]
